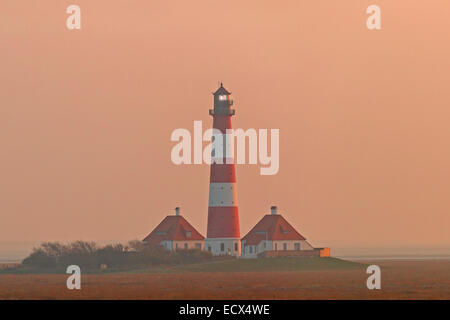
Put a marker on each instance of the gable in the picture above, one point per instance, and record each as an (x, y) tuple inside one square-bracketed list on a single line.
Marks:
[(272, 227), (173, 228)]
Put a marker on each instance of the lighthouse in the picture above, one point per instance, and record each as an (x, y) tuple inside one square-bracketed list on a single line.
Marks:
[(223, 235)]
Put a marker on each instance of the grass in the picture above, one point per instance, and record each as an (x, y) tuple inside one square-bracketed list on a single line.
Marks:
[(255, 265), (27, 270), (228, 265)]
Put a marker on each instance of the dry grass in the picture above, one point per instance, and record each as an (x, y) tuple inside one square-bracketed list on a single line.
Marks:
[(400, 280)]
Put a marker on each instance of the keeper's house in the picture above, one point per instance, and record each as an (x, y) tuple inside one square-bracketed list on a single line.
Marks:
[(174, 232), (273, 236)]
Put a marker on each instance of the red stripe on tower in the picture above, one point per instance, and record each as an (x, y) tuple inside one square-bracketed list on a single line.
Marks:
[(223, 236)]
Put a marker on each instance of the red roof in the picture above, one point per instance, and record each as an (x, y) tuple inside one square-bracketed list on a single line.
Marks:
[(271, 227), (173, 228)]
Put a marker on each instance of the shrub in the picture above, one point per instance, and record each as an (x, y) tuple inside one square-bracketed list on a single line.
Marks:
[(88, 255)]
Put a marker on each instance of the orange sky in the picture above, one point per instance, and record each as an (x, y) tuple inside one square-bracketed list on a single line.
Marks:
[(86, 116)]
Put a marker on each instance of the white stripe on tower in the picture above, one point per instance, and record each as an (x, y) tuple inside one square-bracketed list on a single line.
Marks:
[(222, 194)]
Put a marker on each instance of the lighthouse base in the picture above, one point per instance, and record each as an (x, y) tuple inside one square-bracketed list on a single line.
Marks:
[(223, 246)]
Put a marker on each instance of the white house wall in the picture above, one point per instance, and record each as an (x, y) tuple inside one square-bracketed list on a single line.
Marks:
[(173, 245), (191, 244), (274, 245), (229, 246)]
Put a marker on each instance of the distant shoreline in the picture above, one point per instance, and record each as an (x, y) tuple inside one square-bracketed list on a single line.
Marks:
[(394, 258)]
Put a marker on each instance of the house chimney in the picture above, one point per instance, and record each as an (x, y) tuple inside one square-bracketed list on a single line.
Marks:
[(177, 211), (273, 209)]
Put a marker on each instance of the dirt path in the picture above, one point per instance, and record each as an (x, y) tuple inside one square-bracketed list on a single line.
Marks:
[(400, 280)]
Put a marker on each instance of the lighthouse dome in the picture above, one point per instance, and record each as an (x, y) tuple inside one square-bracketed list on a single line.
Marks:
[(221, 91)]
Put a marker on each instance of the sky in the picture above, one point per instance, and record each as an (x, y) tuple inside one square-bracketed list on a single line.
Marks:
[(86, 116)]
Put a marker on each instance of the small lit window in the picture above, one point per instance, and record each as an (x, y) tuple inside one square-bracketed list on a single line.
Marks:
[(222, 97)]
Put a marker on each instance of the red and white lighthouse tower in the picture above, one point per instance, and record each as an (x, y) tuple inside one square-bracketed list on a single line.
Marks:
[(223, 236)]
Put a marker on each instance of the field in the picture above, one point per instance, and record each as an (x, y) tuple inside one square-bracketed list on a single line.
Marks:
[(245, 279)]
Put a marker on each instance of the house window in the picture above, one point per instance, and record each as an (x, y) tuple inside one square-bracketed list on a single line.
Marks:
[(297, 246), (276, 246), (188, 234), (222, 247), (251, 249), (198, 246), (209, 248), (235, 247), (285, 246), (176, 245), (185, 245)]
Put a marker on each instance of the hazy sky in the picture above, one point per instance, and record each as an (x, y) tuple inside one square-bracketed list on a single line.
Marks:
[(86, 116)]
